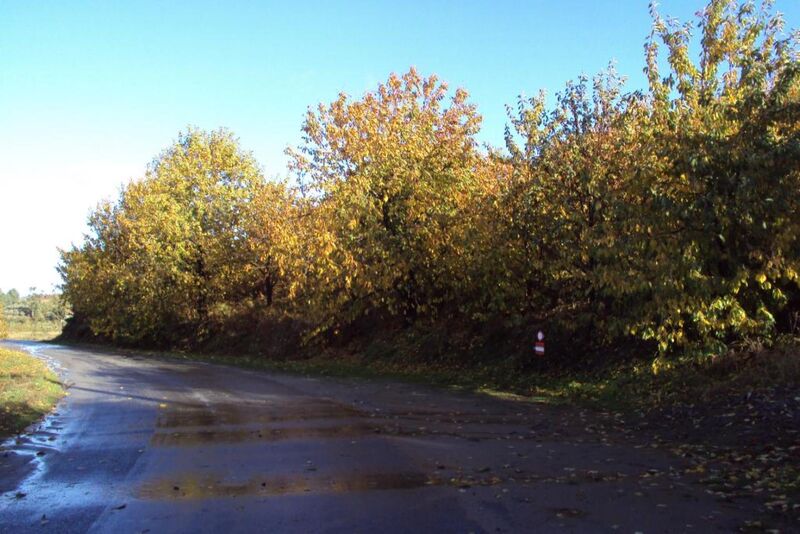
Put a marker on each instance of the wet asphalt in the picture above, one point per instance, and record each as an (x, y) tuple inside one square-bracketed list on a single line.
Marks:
[(144, 444)]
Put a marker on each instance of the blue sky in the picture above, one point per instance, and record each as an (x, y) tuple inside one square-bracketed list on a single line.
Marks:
[(90, 92)]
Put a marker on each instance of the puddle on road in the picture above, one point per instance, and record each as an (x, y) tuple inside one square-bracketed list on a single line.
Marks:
[(189, 437), (189, 487), (226, 414), (191, 426), (185, 438), (231, 414), (231, 423)]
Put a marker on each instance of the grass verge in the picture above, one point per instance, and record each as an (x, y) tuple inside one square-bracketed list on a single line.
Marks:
[(28, 390)]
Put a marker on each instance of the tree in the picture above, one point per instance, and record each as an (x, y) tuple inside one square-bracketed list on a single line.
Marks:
[(10, 298), (166, 261), (386, 177), (565, 196), (716, 253), (270, 242), (672, 214), (669, 215)]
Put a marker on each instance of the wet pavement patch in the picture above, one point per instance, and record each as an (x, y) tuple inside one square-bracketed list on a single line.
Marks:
[(205, 437), (196, 487), (272, 420), (227, 414)]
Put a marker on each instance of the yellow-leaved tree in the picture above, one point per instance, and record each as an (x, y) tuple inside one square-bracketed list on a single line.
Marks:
[(713, 248), (386, 179), (181, 247)]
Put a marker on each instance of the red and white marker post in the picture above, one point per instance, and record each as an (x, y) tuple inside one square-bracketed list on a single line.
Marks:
[(538, 347)]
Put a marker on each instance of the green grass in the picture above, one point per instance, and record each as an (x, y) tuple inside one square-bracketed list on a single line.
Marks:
[(28, 390)]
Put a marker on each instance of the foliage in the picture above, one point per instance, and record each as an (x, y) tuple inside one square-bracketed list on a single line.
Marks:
[(3, 323), (388, 176), (567, 198), (668, 215), (180, 246), (718, 182)]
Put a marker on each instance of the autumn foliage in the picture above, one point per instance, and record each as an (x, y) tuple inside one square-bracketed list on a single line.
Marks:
[(669, 215)]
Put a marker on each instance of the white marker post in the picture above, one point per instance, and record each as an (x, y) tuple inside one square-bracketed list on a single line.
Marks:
[(539, 345)]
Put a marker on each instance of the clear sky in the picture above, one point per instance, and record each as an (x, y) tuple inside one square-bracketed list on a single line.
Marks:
[(90, 92)]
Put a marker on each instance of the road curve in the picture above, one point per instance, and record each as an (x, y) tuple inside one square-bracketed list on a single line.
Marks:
[(156, 445)]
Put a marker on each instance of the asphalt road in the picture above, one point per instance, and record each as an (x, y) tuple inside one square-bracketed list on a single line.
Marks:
[(158, 445)]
